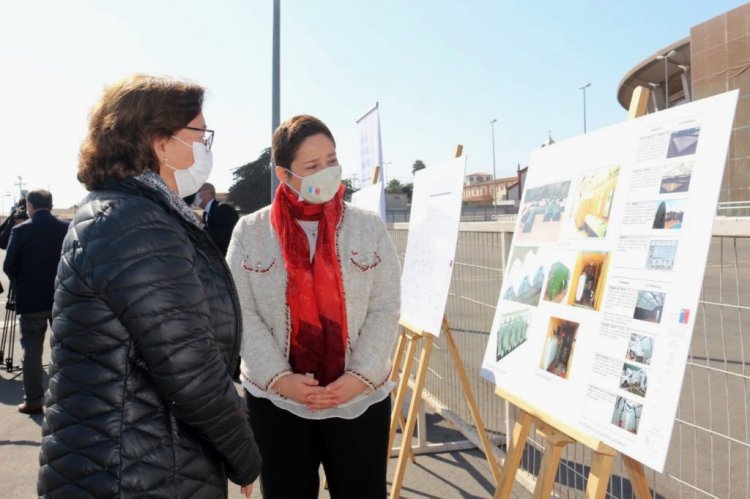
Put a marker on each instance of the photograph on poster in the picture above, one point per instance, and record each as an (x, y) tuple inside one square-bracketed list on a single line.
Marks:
[(589, 276), (649, 306), (640, 348), (540, 217), (525, 277), (559, 346), (683, 142), (593, 202), (634, 379), (627, 414), (677, 178), (558, 279), (511, 333), (669, 214), (661, 254)]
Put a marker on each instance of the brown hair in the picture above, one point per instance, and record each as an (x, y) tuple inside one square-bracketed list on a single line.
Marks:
[(128, 117), (290, 134)]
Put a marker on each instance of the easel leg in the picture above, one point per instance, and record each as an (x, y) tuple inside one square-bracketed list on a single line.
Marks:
[(554, 443), (548, 469), (469, 393), (513, 456), (411, 418), (403, 385), (409, 450), (601, 471), (398, 356), (637, 477)]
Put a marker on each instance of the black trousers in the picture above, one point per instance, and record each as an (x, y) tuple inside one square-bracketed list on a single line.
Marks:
[(353, 452)]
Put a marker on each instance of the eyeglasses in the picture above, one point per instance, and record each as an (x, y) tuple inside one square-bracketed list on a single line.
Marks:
[(208, 135)]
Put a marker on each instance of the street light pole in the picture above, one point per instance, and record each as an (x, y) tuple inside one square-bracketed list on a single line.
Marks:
[(275, 80), (20, 185), (665, 58), (492, 124), (583, 88), (494, 173)]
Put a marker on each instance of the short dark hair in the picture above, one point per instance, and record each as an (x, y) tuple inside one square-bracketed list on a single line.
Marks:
[(128, 117), (40, 199), (290, 134), (209, 187)]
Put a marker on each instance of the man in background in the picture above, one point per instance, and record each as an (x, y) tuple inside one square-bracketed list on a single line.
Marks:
[(220, 218), (31, 264)]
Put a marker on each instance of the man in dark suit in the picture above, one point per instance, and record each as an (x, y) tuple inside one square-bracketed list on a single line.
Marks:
[(220, 218), (31, 263)]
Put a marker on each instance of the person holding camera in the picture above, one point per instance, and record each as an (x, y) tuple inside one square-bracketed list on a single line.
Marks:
[(18, 214)]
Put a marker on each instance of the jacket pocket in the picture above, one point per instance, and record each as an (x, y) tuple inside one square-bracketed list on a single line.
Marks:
[(364, 261), (257, 265)]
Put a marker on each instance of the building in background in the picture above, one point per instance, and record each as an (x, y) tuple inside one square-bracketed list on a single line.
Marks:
[(477, 178), (480, 189), (715, 58), (515, 190)]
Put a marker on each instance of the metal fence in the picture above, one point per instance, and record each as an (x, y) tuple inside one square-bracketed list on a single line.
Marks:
[(709, 452), (469, 213)]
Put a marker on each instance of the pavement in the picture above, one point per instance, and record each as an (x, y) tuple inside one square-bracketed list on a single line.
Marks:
[(457, 474)]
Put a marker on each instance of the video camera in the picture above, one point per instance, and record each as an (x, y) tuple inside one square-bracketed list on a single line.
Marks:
[(19, 212)]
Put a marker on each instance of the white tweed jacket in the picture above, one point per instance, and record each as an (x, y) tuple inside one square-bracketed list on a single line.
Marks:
[(371, 274)]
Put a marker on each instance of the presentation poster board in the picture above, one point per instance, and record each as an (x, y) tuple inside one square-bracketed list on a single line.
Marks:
[(431, 244), (371, 198), (596, 312)]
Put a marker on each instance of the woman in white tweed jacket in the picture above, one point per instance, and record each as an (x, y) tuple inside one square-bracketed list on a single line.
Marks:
[(318, 282)]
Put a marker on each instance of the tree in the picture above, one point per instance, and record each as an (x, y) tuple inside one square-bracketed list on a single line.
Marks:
[(394, 186), (408, 189), (348, 183), (252, 184), (418, 165)]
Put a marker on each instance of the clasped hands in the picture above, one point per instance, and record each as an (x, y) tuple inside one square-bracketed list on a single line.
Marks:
[(306, 390)]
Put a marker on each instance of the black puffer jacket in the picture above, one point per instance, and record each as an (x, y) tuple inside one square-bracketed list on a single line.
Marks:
[(145, 336)]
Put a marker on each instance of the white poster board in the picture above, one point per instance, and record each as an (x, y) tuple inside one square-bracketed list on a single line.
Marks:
[(596, 312), (431, 245), (371, 198)]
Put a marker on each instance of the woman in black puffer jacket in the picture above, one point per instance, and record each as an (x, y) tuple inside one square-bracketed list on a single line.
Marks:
[(146, 320)]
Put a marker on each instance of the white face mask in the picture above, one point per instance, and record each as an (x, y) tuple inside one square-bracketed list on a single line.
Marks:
[(190, 179), (320, 187)]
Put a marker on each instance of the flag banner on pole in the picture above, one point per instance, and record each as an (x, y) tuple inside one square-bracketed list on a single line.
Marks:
[(371, 155), (370, 149)]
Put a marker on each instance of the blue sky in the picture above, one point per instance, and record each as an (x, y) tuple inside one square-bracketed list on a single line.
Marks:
[(440, 71)]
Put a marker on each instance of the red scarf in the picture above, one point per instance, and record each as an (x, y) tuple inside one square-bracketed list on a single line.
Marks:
[(314, 291)]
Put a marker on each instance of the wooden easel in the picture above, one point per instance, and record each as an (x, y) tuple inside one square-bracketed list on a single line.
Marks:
[(557, 434), (406, 350)]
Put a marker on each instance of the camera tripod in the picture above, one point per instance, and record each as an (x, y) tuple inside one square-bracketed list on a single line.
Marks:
[(9, 330)]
